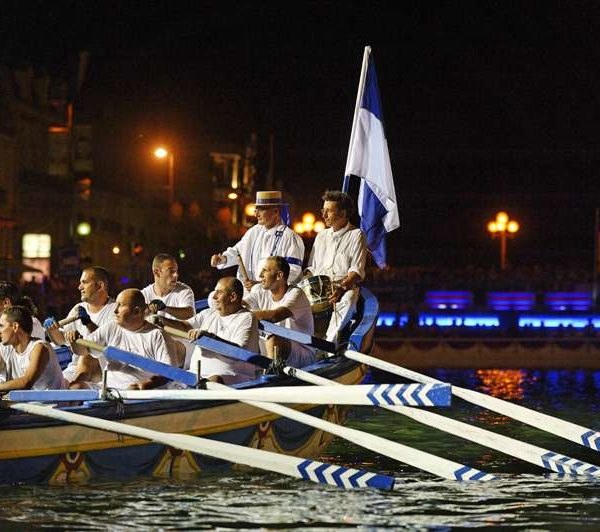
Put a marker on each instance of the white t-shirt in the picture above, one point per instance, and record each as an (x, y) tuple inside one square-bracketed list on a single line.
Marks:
[(301, 319), (259, 243), (2, 365), (148, 342), (241, 329), (38, 329), (180, 296), (17, 363), (336, 253), (105, 315)]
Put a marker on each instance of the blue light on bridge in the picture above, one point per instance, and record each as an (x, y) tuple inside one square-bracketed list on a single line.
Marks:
[(386, 319), (554, 322), (459, 320)]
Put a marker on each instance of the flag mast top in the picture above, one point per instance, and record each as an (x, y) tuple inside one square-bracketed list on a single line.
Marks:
[(361, 87)]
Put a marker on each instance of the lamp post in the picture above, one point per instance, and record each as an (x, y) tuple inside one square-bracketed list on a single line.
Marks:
[(162, 153), (502, 227)]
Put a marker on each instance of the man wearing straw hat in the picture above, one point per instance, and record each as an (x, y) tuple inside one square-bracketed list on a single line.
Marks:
[(270, 236)]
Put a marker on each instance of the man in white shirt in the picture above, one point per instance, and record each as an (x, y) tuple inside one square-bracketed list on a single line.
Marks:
[(31, 363), (225, 320), (270, 236), (129, 332), (276, 301), (96, 309), (167, 296), (339, 252)]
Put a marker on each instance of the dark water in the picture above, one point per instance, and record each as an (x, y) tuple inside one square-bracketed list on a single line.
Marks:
[(525, 497)]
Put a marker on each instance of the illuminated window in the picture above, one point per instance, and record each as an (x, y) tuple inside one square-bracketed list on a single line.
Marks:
[(36, 246)]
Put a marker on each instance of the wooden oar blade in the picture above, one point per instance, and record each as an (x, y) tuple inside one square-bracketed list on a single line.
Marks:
[(559, 427), (365, 395), (591, 439), (313, 470), (343, 477)]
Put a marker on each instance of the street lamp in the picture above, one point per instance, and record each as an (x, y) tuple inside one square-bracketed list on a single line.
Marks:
[(502, 227), (309, 226), (162, 153)]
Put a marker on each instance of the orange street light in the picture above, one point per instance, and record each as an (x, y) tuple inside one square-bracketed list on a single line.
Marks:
[(502, 227), (309, 226), (162, 153)]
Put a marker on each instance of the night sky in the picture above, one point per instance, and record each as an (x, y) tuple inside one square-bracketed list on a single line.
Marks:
[(487, 105)]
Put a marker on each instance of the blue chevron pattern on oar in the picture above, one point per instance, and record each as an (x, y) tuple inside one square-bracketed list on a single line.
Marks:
[(343, 477), (470, 473), (410, 394), (591, 439), (570, 466)]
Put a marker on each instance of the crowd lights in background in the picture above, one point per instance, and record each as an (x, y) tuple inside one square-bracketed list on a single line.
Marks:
[(309, 226)]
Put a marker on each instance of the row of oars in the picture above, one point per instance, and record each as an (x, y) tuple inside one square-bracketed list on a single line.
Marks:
[(326, 473)]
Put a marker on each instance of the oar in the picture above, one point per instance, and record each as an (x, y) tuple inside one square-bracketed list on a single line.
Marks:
[(530, 453), (565, 429), (313, 470), (402, 453), (419, 459), (533, 454), (114, 353), (67, 320), (362, 394)]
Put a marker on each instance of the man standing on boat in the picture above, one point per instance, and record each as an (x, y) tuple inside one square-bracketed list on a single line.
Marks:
[(96, 308), (340, 253), (167, 296), (276, 301), (226, 319), (270, 236), (31, 363), (129, 332)]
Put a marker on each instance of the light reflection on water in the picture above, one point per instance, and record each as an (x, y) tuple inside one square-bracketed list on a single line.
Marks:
[(524, 497)]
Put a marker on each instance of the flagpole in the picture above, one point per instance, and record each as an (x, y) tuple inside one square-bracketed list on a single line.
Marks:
[(361, 88)]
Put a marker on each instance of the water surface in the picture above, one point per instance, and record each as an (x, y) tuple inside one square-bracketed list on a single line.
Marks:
[(524, 497)]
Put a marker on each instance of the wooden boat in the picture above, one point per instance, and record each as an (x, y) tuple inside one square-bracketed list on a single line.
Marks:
[(39, 450)]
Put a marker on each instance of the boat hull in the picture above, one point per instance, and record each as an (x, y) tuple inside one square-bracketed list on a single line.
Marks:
[(38, 450)]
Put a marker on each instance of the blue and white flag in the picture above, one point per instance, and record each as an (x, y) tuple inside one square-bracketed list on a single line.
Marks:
[(369, 159)]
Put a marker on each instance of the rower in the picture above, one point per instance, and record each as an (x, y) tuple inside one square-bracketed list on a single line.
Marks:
[(129, 332), (31, 363), (10, 295), (276, 301), (96, 308), (167, 296), (226, 320)]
